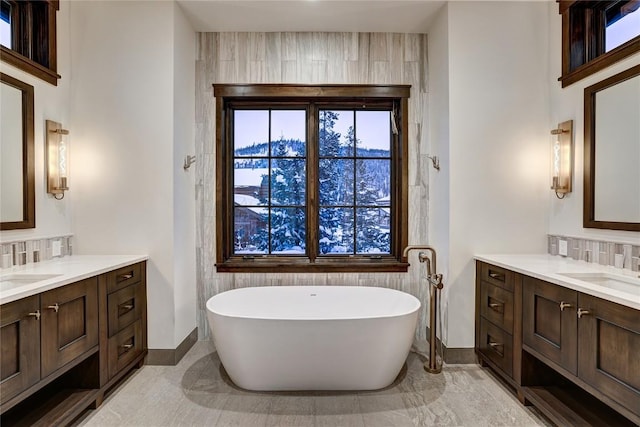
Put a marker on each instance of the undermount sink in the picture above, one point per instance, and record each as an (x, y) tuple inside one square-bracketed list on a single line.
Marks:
[(608, 280), (26, 279)]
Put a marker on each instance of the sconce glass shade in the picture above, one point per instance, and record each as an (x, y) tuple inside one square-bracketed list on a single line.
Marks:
[(562, 158), (57, 159)]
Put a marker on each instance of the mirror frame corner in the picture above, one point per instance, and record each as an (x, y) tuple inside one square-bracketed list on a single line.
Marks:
[(28, 169), (590, 92)]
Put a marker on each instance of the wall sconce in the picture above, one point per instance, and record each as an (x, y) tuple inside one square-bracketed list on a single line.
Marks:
[(562, 159), (57, 159)]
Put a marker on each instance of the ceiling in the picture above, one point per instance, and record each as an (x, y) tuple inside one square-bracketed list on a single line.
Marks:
[(413, 16)]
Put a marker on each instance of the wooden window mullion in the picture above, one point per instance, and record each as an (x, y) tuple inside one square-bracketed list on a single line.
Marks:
[(312, 193)]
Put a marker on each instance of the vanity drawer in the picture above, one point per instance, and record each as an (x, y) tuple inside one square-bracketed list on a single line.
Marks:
[(124, 307), (496, 305), (124, 347), (497, 276), (123, 277), (496, 345)]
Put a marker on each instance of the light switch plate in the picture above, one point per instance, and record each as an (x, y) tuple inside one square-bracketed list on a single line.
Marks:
[(56, 248), (562, 248)]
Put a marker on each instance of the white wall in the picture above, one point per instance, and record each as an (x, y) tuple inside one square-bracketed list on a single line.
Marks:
[(439, 144), (498, 145), (124, 68), (53, 217), (565, 216), (184, 227)]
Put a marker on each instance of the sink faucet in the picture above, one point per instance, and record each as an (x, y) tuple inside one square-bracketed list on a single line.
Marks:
[(433, 278)]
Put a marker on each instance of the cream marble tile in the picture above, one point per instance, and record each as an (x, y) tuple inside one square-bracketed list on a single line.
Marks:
[(273, 58), (351, 46), (225, 73), (380, 46), (289, 47), (197, 392), (257, 46), (320, 46), (293, 411), (411, 47), (383, 410), (257, 72), (226, 46), (380, 72), (199, 409), (339, 410), (289, 72), (319, 72), (245, 410)]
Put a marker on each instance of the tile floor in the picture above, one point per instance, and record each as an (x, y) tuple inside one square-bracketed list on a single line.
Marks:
[(197, 393)]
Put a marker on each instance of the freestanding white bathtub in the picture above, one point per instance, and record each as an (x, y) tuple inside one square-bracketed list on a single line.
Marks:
[(313, 337)]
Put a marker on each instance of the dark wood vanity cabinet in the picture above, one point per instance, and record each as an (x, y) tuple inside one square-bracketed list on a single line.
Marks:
[(550, 322), (125, 317), (69, 324), (497, 329), (19, 346), (572, 355), (609, 350), (63, 349)]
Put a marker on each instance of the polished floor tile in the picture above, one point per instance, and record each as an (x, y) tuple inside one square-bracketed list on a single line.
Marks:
[(197, 392)]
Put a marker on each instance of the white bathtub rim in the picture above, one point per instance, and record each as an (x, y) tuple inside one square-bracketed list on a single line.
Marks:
[(417, 305)]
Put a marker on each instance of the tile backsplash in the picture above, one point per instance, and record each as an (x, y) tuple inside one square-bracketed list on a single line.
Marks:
[(620, 255), (22, 252)]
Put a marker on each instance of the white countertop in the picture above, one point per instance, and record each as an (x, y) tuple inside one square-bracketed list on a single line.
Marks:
[(547, 267), (67, 270)]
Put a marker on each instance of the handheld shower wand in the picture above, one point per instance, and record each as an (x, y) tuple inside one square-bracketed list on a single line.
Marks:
[(435, 285)]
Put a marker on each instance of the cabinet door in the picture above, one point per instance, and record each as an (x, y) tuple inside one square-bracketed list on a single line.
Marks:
[(69, 323), (549, 322), (19, 346), (609, 343)]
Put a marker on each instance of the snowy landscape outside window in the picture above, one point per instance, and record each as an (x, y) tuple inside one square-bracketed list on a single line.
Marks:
[(309, 182)]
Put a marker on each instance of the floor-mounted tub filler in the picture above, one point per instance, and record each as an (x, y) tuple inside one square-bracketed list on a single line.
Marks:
[(434, 280), (313, 337)]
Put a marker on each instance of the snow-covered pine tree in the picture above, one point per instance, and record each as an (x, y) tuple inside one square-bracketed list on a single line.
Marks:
[(334, 181), (288, 223)]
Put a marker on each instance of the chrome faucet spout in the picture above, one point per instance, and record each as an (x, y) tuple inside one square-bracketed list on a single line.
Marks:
[(432, 275), (409, 248)]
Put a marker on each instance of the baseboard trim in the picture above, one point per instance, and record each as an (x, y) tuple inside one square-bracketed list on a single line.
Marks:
[(463, 356), (171, 357), (456, 355)]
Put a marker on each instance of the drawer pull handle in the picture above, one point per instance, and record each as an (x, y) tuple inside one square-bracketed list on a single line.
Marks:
[(564, 305), (35, 314), (127, 347), (496, 276), (55, 307), (125, 276), (497, 347), (495, 305), (126, 307), (582, 312)]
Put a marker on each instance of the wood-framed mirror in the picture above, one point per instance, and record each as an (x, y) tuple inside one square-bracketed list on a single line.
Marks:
[(17, 173), (612, 152)]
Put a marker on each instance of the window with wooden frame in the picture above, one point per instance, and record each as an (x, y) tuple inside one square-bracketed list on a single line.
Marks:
[(28, 36), (596, 34), (311, 178)]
